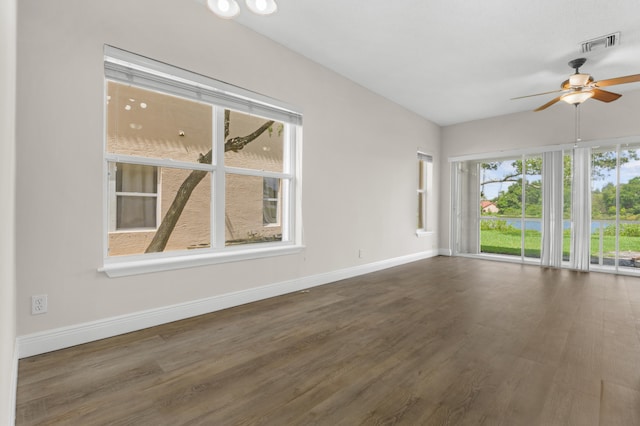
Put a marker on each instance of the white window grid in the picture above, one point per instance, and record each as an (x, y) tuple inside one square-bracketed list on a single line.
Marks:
[(218, 171)]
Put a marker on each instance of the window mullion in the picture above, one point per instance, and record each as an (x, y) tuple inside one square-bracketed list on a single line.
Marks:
[(137, 194), (218, 185), (617, 253), (293, 229), (477, 217), (523, 206), (259, 173), (286, 184), (111, 173), (147, 161)]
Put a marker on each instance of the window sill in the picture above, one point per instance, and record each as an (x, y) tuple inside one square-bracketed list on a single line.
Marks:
[(132, 230), (122, 267), (420, 233)]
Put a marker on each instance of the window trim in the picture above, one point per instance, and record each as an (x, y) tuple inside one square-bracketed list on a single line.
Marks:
[(125, 67), (159, 262)]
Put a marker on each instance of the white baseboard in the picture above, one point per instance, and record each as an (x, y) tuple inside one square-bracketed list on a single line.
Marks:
[(445, 252), (64, 337)]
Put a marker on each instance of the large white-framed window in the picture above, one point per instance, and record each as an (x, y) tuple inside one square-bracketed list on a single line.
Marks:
[(196, 171), (424, 193)]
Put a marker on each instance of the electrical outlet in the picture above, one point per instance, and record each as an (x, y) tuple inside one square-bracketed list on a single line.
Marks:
[(39, 304)]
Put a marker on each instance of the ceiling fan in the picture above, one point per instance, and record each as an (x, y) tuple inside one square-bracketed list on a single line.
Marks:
[(580, 87)]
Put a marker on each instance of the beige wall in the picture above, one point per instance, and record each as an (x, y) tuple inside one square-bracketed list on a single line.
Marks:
[(358, 171), (7, 212), (553, 126)]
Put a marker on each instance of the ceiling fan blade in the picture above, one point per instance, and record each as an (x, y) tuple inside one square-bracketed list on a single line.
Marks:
[(538, 94), (604, 96), (618, 80), (548, 104)]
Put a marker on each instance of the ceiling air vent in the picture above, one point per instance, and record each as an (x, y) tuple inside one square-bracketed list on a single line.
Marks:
[(606, 41)]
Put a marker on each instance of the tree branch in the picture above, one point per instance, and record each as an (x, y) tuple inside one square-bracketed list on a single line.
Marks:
[(239, 142), (507, 178), (170, 220)]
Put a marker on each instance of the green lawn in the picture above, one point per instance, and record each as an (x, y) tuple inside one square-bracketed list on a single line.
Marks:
[(509, 242)]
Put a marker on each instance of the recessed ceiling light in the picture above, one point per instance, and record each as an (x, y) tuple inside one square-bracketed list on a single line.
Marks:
[(262, 7), (127, 107), (143, 105), (224, 8)]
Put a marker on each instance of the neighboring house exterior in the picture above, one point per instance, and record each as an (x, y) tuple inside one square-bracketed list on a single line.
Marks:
[(149, 124), (488, 207)]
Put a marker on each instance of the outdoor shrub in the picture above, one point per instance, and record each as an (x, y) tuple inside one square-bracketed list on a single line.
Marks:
[(610, 230), (496, 225), (630, 230), (626, 230)]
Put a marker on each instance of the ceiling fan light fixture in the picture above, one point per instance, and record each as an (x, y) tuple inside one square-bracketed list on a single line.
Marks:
[(226, 9), (262, 7), (580, 87), (577, 96), (578, 80)]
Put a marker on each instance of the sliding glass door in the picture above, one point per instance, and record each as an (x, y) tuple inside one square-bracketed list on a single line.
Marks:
[(501, 207), (615, 213), (532, 207), (520, 208)]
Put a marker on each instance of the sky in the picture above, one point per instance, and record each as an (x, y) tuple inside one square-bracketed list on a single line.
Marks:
[(627, 172), (493, 189)]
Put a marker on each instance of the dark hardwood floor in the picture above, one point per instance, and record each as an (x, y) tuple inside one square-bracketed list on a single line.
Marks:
[(446, 340)]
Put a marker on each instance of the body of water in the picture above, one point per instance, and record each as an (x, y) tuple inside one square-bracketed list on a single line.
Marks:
[(536, 224)]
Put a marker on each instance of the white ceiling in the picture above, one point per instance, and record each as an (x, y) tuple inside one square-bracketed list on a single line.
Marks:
[(453, 61)]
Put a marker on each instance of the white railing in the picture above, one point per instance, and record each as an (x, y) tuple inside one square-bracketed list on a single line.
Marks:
[(626, 259), (632, 258)]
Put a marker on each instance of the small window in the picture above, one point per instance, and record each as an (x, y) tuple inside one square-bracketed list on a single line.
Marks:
[(136, 196), (270, 201), (425, 174)]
